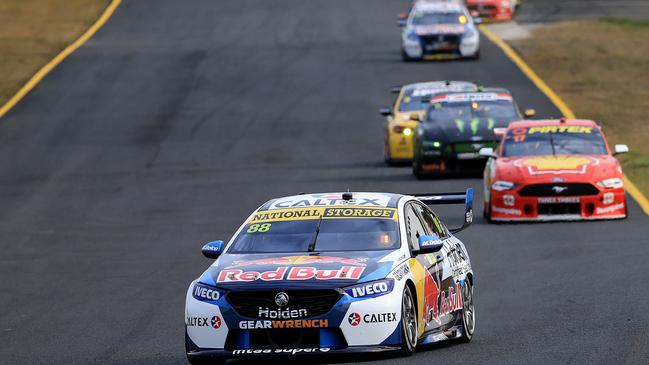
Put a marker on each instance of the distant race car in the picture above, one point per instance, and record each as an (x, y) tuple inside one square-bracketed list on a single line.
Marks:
[(408, 109), (554, 170), (492, 10), (333, 273), (439, 30), (457, 126)]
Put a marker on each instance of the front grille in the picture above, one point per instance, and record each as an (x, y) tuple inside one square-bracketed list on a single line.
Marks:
[(441, 43), (572, 189), (559, 209), (464, 147), (285, 338), (315, 302)]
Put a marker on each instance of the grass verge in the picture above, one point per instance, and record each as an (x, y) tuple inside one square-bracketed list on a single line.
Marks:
[(32, 32), (601, 69)]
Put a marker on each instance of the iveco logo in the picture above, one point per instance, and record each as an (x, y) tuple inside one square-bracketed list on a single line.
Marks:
[(281, 299), (559, 189)]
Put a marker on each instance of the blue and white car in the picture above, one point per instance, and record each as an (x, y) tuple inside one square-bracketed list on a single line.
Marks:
[(333, 273), (439, 30)]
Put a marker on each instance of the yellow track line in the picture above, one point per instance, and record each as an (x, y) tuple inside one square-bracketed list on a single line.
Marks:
[(40, 75), (633, 190)]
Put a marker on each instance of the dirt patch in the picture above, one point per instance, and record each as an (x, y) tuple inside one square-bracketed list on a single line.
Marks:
[(601, 69)]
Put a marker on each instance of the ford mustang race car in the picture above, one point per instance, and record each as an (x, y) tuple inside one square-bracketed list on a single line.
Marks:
[(409, 108), (553, 170), (439, 30), (457, 126), (492, 10), (333, 273)]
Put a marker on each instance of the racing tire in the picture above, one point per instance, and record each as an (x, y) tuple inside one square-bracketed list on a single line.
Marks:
[(468, 312), (405, 57), (486, 212), (408, 323)]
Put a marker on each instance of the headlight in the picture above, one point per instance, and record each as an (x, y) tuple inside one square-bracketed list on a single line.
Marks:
[(427, 145), (372, 289), (411, 36), (501, 185), (407, 131), (613, 183)]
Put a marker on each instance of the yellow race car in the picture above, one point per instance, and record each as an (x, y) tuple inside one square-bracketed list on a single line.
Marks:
[(408, 109)]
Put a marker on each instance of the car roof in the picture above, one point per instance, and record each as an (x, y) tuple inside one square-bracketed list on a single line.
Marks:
[(552, 122), (359, 199), (434, 7)]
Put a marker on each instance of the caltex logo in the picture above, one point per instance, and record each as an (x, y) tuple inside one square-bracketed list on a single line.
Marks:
[(354, 319), (216, 321)]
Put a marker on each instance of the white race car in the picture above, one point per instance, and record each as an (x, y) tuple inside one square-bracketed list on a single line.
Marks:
[(333, 273), (435, 30)]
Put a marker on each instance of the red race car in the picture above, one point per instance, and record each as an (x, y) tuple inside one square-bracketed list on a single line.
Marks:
[(492, 10), (553, 170)]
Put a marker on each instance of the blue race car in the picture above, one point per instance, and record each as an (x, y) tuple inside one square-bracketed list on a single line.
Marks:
[(333, 273)]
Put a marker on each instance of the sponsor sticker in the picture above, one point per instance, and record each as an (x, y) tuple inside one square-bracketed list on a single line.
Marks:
[(371, 290), (214, 322), (559, 199), (205, 293), (288, 351), (291, 273), (292, 323), (329, 200), (560, 129), (609, 209), (285, 313), (356, 319), (402, 271), (557, 164), (292, 214), (509, 211)]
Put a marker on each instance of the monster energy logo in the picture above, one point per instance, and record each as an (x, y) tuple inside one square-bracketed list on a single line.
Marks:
[(474, 124)]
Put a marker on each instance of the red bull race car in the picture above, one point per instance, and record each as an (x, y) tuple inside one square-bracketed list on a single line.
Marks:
[(333, 273), (553, 170)]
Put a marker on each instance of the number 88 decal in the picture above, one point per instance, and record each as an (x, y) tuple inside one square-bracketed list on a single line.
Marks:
[(259, 228)]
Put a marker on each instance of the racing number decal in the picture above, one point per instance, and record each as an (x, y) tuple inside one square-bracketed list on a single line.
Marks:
[(259, 228)]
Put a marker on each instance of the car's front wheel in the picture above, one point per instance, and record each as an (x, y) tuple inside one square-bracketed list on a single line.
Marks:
[(408, 323), (468, 312)]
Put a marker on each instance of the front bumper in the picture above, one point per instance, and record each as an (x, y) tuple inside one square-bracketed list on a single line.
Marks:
[(287, 352), (350, 325), (510, 206), (441, 46)]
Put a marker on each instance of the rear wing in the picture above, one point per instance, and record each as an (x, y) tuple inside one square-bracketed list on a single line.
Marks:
[(452, 198)]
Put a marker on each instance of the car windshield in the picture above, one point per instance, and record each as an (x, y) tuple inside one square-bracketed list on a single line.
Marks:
[(335, 234), (430, 18), (554, 140), (473, 114), (418, 98)]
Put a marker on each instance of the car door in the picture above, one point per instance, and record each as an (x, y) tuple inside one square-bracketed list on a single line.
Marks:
[(447, 261)]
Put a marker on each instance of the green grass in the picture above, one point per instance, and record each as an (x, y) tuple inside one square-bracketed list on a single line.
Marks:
[(32, 32), (601, 69)]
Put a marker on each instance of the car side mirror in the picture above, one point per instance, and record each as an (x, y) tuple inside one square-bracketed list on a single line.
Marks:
[(395, 89), (213, 250), (385, 111), (429, 244), (620, 149), (402, 22), (487, 152), (529, 113), (415, 117)]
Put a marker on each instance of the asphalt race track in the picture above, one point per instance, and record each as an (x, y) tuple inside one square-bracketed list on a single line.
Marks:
[(180, 117)]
